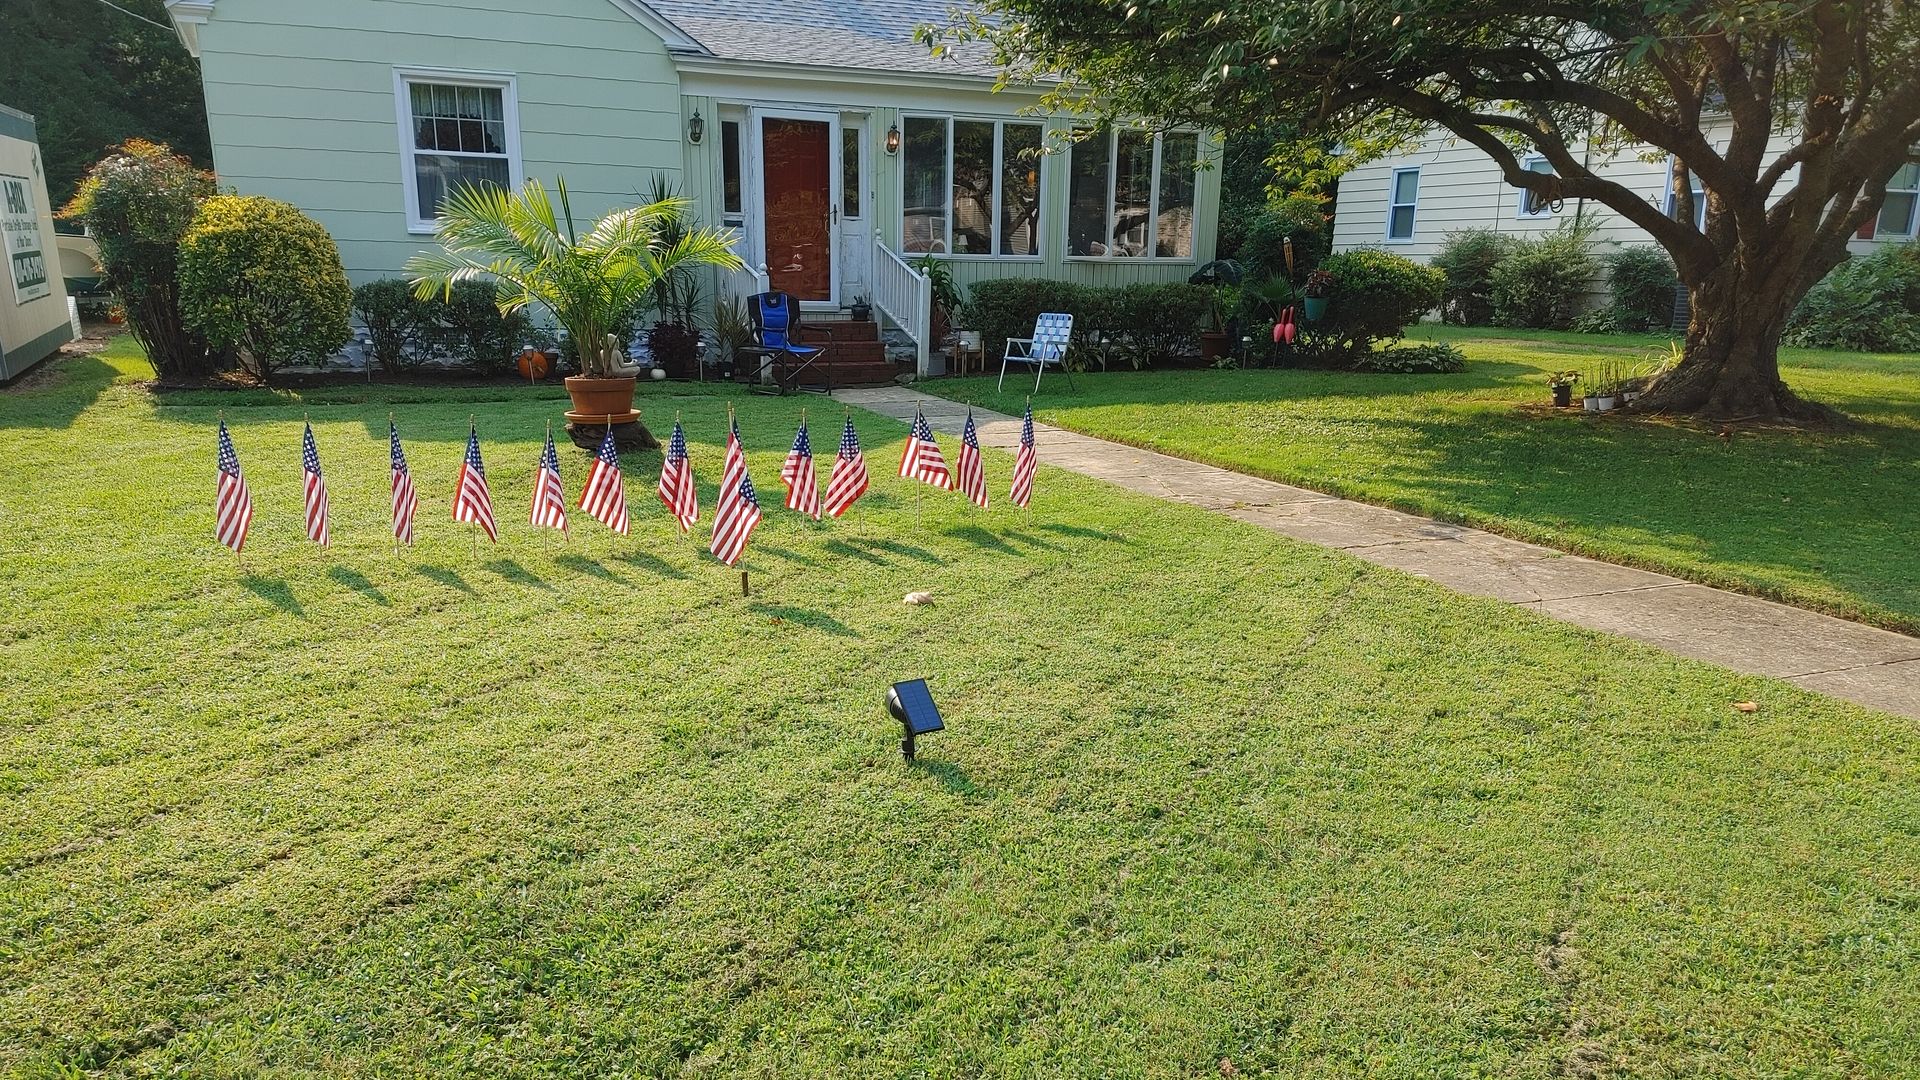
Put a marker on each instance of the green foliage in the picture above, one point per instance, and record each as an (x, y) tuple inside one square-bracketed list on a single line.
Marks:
[(1299, 218), (1467, 258), (1431, 358), (1376, 295), (392, 317), (94, 78), (1158, 321), (1643, 281), (1544, 283), (467, 324), (946, 292), (1871, 302), (1141, 324), (259, 277), (592, 282), (138, 202)]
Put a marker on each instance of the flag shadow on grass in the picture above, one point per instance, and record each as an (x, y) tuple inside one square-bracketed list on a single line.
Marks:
[(841, 547), (1083, 532), (357, 581), (653, 564), (445, 576), (593, 567), (807, 617), (908, 550), (788, 554), (510, 570), (981, 538), (274, 591), (1019, 537)]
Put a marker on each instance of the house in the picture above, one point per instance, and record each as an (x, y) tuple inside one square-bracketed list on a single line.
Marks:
[(1408, 202), (838, 147), (34, 317)]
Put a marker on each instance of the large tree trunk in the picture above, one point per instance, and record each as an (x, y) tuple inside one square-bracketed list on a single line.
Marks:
[(1731, 370)]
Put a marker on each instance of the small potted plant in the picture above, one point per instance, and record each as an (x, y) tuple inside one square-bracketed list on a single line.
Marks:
[(1317, 290), (860, 310), (1562, 384), (1217, 340)]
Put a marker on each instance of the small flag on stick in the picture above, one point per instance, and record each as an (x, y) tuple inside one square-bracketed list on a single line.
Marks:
[(472, 502), (1025, 463), (734, 518), (316, 489), (605, 496), (549, 496), (405, 502), (232, 504), (972, 470), (849, 479), (803, 487), (922, 460), (676, 481)]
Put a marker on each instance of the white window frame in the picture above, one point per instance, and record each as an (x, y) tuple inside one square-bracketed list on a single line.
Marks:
[(403, 79), (1669, 205), (1393, 188), (1153, 204), (1520, 207), (736, 115), (1913, 214), (999, 148)]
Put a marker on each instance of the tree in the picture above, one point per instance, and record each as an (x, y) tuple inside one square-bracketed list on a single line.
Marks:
[(94, 78), (1836, 78)]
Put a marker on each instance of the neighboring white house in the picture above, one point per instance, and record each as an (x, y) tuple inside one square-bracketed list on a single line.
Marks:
[(34, 320), (1409, 202), (837, 146)]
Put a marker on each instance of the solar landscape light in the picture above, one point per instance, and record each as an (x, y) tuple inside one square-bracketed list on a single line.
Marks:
[(912, 704)]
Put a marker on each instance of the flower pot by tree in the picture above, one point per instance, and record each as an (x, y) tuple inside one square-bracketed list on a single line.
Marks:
[(1562, 396), (1215, 344)]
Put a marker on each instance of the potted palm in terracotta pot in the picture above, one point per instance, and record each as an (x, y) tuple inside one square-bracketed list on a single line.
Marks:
[(590, 282)]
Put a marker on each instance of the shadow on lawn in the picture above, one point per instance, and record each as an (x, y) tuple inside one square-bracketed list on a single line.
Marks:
[(653, 564), (444, 575), (841, 547), (981, 538), (56, 393), (953, 778), (512, 571), (358, 582), (274, 591), (811, 618)]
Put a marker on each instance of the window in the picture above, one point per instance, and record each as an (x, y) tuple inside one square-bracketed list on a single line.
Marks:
[(456, 130), (1699, 199), (1403, 195), (731, 198), (1528, 208), (850, 172), (971, 187), (1130, 195), (1897, 213)]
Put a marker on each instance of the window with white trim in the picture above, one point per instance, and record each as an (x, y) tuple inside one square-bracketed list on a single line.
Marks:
[(732, 192), (1902, 205), (1528, 207), (1403, 200), (971, 187), (1699, 199), (1130, 194), (458, 130)]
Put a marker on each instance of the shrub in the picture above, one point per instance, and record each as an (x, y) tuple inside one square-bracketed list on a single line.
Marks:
[(1643, 281), (1143, 323), (261, 278), (1543, 284), (1871, 302), (1158, 321), (1433, 358), (468, 326), (1300, 218), (1376, 295), (394, 322), (1007, 307), (1467, 258), (138, 202)]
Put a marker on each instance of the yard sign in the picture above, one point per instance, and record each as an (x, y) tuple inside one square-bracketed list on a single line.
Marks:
[(20, 236)]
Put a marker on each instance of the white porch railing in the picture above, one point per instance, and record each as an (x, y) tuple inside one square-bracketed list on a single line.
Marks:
[(746, 283), (905, 295)]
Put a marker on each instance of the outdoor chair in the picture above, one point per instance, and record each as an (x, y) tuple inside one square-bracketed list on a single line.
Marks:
[(776, 336), (1048, 345)]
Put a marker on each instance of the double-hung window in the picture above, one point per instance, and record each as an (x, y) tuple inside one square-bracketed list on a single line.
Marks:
[(1403, 199), (1699, 199), (1130, 194), (1530, 204), (971, 187), (1902, 206), (457, 130)]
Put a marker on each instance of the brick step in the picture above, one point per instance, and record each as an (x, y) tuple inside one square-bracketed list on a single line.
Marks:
[(855, 352), (841, 329)]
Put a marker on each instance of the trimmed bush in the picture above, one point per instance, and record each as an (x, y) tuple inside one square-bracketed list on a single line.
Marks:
[(1141, 323), (1643, 281), (1870, 302), (1432, 358), (1159, 322), (393, 321), (259, 277), (1543, 284), (467, 326), (1376, 296), (1467, 258), (1007, 307), (138, 202), (1300, 218)]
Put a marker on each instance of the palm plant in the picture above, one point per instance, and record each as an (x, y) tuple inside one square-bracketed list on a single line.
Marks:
[(534, 256)]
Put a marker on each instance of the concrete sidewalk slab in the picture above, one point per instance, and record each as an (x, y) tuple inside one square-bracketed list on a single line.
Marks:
[(1862, 664)]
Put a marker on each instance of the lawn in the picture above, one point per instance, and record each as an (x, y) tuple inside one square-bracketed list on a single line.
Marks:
[(1825, 520), (1206, 795)]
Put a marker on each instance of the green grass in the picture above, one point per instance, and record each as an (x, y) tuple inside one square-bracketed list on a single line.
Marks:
[(1825, 520), (1205, 793)]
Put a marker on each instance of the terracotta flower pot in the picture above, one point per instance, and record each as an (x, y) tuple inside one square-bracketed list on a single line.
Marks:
[(1214, 344), (596, 399)]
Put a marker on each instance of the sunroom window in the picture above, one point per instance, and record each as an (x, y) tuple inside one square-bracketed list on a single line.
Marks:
[(461, 132), (1131, 195), (1898, 212), (971, 187)]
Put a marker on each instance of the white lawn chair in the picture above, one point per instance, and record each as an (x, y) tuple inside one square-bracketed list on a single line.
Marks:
[(1048, 345)]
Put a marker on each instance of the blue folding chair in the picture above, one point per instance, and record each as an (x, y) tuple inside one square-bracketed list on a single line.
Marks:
[(1048, 345), (776, 330)]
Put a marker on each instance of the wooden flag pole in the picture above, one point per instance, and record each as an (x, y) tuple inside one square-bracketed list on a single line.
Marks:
[(473, 527)]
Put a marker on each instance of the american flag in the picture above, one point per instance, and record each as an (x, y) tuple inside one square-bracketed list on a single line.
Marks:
[(922, 459), (733, 520), (803, 489), (316, 489), (676, 481), (605, 496), (472, 502), (849, 479), (972, 470), (405, 502), (735, 465), (232, 505), (549, 498), (1025, 461)]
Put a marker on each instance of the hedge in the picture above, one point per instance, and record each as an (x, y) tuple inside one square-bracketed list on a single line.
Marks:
[(1141, 324), (259, 277)]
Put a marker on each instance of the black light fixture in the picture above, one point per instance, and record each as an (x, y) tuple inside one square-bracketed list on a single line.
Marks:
[(893, 139), (696, 127), (912, 704)]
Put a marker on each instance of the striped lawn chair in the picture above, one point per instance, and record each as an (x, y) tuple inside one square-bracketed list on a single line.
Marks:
[(1048, 345)]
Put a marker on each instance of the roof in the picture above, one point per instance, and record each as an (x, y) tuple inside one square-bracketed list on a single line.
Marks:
[(870, 34)]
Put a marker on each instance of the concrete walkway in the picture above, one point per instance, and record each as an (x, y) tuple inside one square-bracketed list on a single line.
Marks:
[(1858, 663)]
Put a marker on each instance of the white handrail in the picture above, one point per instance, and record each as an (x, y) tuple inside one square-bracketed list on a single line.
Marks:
[(905, 295), (748, 282)]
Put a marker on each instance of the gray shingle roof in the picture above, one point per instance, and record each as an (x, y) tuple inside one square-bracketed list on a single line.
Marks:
[(876, 34)]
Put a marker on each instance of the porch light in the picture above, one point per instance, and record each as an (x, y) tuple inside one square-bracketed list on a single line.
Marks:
[(696, 127), (893, 139)]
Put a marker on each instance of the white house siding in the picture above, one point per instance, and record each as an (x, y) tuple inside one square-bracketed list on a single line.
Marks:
[(1461, 188), (301, 104)]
